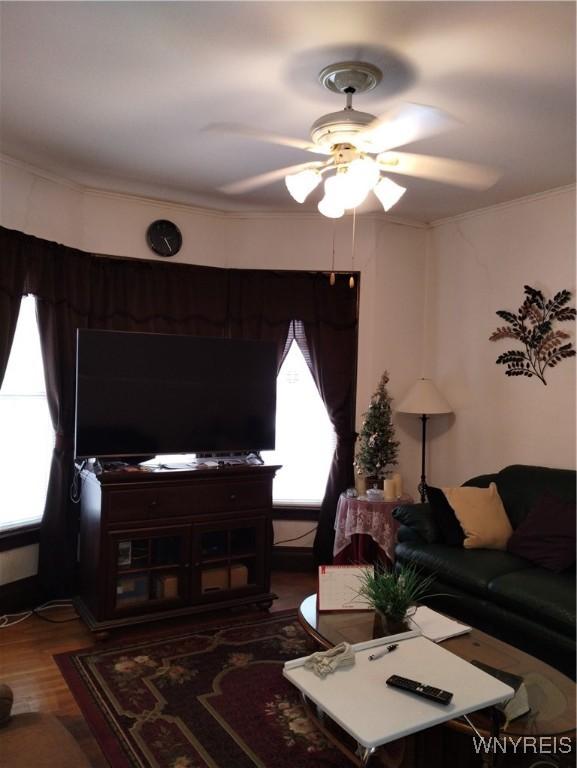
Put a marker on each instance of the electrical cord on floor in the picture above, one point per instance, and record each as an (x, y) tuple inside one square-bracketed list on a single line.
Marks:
[(296, 538), (36, 612), (10, 619)]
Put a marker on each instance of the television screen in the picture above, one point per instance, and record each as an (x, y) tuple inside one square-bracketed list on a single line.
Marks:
[(143, 394)]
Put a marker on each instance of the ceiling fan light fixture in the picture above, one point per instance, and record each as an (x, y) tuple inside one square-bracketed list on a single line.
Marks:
[(329, 208), (301, 184), (349, 139), (388, 192)]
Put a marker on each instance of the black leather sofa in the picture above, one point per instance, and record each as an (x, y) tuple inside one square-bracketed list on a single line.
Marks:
[(505, 595)]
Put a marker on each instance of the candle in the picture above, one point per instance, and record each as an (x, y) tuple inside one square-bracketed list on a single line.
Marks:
[(398, 485), (361, 484), (389, 489)]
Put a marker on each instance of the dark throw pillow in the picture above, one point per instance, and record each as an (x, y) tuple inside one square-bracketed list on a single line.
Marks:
[(546, 536), (449, 528)]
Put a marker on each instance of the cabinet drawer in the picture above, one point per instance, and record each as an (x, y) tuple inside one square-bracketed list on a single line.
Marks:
[(132, 504), (147, 503), (222, 497)]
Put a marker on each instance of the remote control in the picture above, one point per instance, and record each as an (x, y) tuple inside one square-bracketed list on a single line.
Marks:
[(420, 689)]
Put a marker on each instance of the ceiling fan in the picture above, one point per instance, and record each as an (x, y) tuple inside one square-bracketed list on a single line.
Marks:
[(359, 149)]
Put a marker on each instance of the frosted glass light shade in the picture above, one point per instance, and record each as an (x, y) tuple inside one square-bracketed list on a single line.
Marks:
[(424, 398), (330, 209), (365, 172), (301, 184), (345, 191), (388, 192)]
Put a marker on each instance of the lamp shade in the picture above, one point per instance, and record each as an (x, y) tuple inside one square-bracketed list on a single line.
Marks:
[(424, 398), (330, 209), (388, 192), (301, 184)]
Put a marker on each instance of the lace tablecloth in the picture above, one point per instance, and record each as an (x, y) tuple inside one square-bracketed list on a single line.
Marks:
[(373, 518)]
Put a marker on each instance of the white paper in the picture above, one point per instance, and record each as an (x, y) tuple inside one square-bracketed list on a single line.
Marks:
[(435, 626)]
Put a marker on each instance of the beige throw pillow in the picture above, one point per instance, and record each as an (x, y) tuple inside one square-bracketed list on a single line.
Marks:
[(482, 516)]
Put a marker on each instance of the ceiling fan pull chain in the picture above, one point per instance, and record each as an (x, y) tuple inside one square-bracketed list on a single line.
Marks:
[(351, 278), (333, 278)]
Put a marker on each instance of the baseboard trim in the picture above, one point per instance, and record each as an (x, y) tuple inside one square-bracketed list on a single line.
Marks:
[(293, 559), (19, 537), (295, 513), (21, 595)]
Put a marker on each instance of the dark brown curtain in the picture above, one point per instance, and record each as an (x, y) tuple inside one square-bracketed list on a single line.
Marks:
[(78, 290), (13, 271), (329, 345), (324, 321)]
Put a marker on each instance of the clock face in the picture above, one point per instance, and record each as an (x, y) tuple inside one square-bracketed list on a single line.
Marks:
[(164, 237)]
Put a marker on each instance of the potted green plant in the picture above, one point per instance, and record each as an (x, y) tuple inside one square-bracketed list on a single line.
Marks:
[(394, 594)]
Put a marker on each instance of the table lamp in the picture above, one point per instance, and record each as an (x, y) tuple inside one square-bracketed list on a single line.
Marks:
[(424, 399)]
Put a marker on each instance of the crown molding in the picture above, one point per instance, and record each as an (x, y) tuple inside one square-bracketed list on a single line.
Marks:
[(376, 216), (154, 201), (382, 218), (246, 215), (41, 173), (506, 204)]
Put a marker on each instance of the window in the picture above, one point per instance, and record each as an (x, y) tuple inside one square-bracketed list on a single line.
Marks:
[(26, 434), (305, 438)]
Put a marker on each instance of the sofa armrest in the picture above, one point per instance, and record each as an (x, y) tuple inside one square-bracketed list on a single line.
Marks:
[(417, 523)]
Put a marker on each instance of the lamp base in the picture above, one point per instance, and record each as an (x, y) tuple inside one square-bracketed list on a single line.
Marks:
[(422, 488), (423, 483)]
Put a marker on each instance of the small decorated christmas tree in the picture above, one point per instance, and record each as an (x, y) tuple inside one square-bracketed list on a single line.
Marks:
[(378, 448)]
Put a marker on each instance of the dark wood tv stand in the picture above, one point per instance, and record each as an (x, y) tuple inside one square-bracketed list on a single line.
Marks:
[(162, 543)]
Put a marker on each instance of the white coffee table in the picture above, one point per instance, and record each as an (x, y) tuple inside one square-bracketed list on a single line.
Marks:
[(359, 701)]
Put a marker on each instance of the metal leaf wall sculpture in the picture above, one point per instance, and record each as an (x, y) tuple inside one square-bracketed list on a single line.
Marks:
[(533, 326)]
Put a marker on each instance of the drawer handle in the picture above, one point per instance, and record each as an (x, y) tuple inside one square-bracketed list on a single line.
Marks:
[(232, 496), (153, 504)]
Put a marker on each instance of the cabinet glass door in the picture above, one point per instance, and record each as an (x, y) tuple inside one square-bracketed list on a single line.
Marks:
[(149, 569), (228, 558)]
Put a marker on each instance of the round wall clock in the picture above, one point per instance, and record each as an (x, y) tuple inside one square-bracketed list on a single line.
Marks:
[(164, 237)]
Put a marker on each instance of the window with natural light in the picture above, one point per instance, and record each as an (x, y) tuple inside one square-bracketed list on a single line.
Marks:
[(305, 438), (26, 434)]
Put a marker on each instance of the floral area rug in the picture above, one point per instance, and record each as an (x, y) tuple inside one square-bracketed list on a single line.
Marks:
[(212, 698)]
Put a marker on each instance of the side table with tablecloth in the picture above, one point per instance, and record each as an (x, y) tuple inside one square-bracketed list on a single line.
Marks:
[(365, 531)]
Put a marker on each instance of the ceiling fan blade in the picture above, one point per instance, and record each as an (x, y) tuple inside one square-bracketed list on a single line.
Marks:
[(247, 185), (238, 129), (457, 172), (405, 124)]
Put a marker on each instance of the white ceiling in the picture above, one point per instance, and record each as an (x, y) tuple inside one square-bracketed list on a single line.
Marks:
[(115, 95)]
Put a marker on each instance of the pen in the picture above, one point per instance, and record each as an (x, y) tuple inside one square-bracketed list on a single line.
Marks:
[(385, 650)]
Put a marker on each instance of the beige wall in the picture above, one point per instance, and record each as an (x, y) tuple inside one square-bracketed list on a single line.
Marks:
[(389, 254), (479, 264), (427, 303)]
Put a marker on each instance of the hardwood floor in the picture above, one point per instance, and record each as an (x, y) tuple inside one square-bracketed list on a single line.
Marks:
[(28, 667)]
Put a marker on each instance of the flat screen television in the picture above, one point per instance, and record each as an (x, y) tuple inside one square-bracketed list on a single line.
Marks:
[(144, 394)]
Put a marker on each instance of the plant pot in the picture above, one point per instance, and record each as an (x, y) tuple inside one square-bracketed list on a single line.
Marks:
[(391, 625)]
